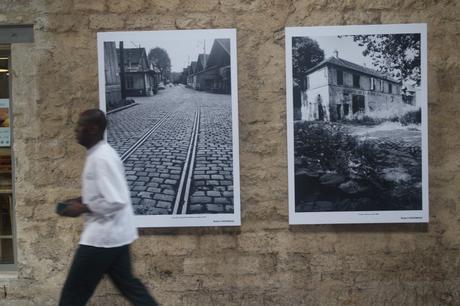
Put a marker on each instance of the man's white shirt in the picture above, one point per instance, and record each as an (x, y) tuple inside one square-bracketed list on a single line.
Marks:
[(105, 191)]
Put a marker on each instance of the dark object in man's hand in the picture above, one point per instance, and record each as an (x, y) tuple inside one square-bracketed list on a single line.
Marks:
[(60, 207), (74, 208)]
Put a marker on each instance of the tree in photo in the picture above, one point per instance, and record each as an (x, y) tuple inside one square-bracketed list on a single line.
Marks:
[(160, 58), (397, 55), (306, 54)]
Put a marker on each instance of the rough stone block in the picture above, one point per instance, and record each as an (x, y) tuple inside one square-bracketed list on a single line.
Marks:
[(121, 6), (106, 22), (85, 5)]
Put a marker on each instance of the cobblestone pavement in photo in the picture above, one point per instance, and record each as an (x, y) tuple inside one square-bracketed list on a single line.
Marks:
[(155, 170), (212, 187)]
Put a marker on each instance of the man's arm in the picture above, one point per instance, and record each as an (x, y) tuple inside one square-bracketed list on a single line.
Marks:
[(113, 193)]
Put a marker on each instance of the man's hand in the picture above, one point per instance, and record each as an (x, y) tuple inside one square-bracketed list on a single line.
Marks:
[(75, 208)]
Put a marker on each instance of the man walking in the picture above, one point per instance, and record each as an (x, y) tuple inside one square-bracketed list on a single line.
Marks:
[(108, 229)]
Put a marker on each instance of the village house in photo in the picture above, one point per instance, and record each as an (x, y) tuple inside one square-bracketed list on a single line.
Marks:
[(357, 124), (140, 76), (211, 72), (171, 102)]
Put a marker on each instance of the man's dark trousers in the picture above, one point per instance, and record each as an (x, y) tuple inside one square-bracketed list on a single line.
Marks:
[(88, 267)]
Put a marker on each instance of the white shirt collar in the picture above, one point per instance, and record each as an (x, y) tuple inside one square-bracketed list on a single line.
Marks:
[(95, 147)]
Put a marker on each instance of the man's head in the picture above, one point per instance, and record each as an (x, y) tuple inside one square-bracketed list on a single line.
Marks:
[(90, 127)]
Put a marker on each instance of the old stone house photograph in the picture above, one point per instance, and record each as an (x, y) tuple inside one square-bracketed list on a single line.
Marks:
[(174, 123), (337, 89), (357, 113)]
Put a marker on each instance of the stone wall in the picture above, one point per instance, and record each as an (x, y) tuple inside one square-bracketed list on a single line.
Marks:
[(265, 261)]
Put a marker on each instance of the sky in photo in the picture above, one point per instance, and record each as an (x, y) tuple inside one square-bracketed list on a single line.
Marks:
[(347, 48), (181, 53), (350, 50)]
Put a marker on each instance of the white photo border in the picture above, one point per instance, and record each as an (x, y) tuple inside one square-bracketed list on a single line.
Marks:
[(356, 217), (192, 220)]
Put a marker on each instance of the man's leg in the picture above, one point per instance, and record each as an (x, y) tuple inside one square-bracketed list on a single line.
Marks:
[(88, 266), (121, 274)]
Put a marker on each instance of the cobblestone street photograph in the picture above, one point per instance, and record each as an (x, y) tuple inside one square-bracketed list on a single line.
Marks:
[(172, 119)]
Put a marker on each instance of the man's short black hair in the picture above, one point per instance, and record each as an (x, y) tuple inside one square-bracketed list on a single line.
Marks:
[(95, 116)]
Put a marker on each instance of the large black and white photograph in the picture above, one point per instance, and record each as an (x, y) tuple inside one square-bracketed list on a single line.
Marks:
[(357, 124), (172, 108)]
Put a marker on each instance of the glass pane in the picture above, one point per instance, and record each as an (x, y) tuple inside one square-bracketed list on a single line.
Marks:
[(5, 169), (6, 251), (6, 228), (4, 77), (5, 215)]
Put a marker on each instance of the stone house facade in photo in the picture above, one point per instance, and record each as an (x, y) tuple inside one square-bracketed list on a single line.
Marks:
[(337, 89)]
